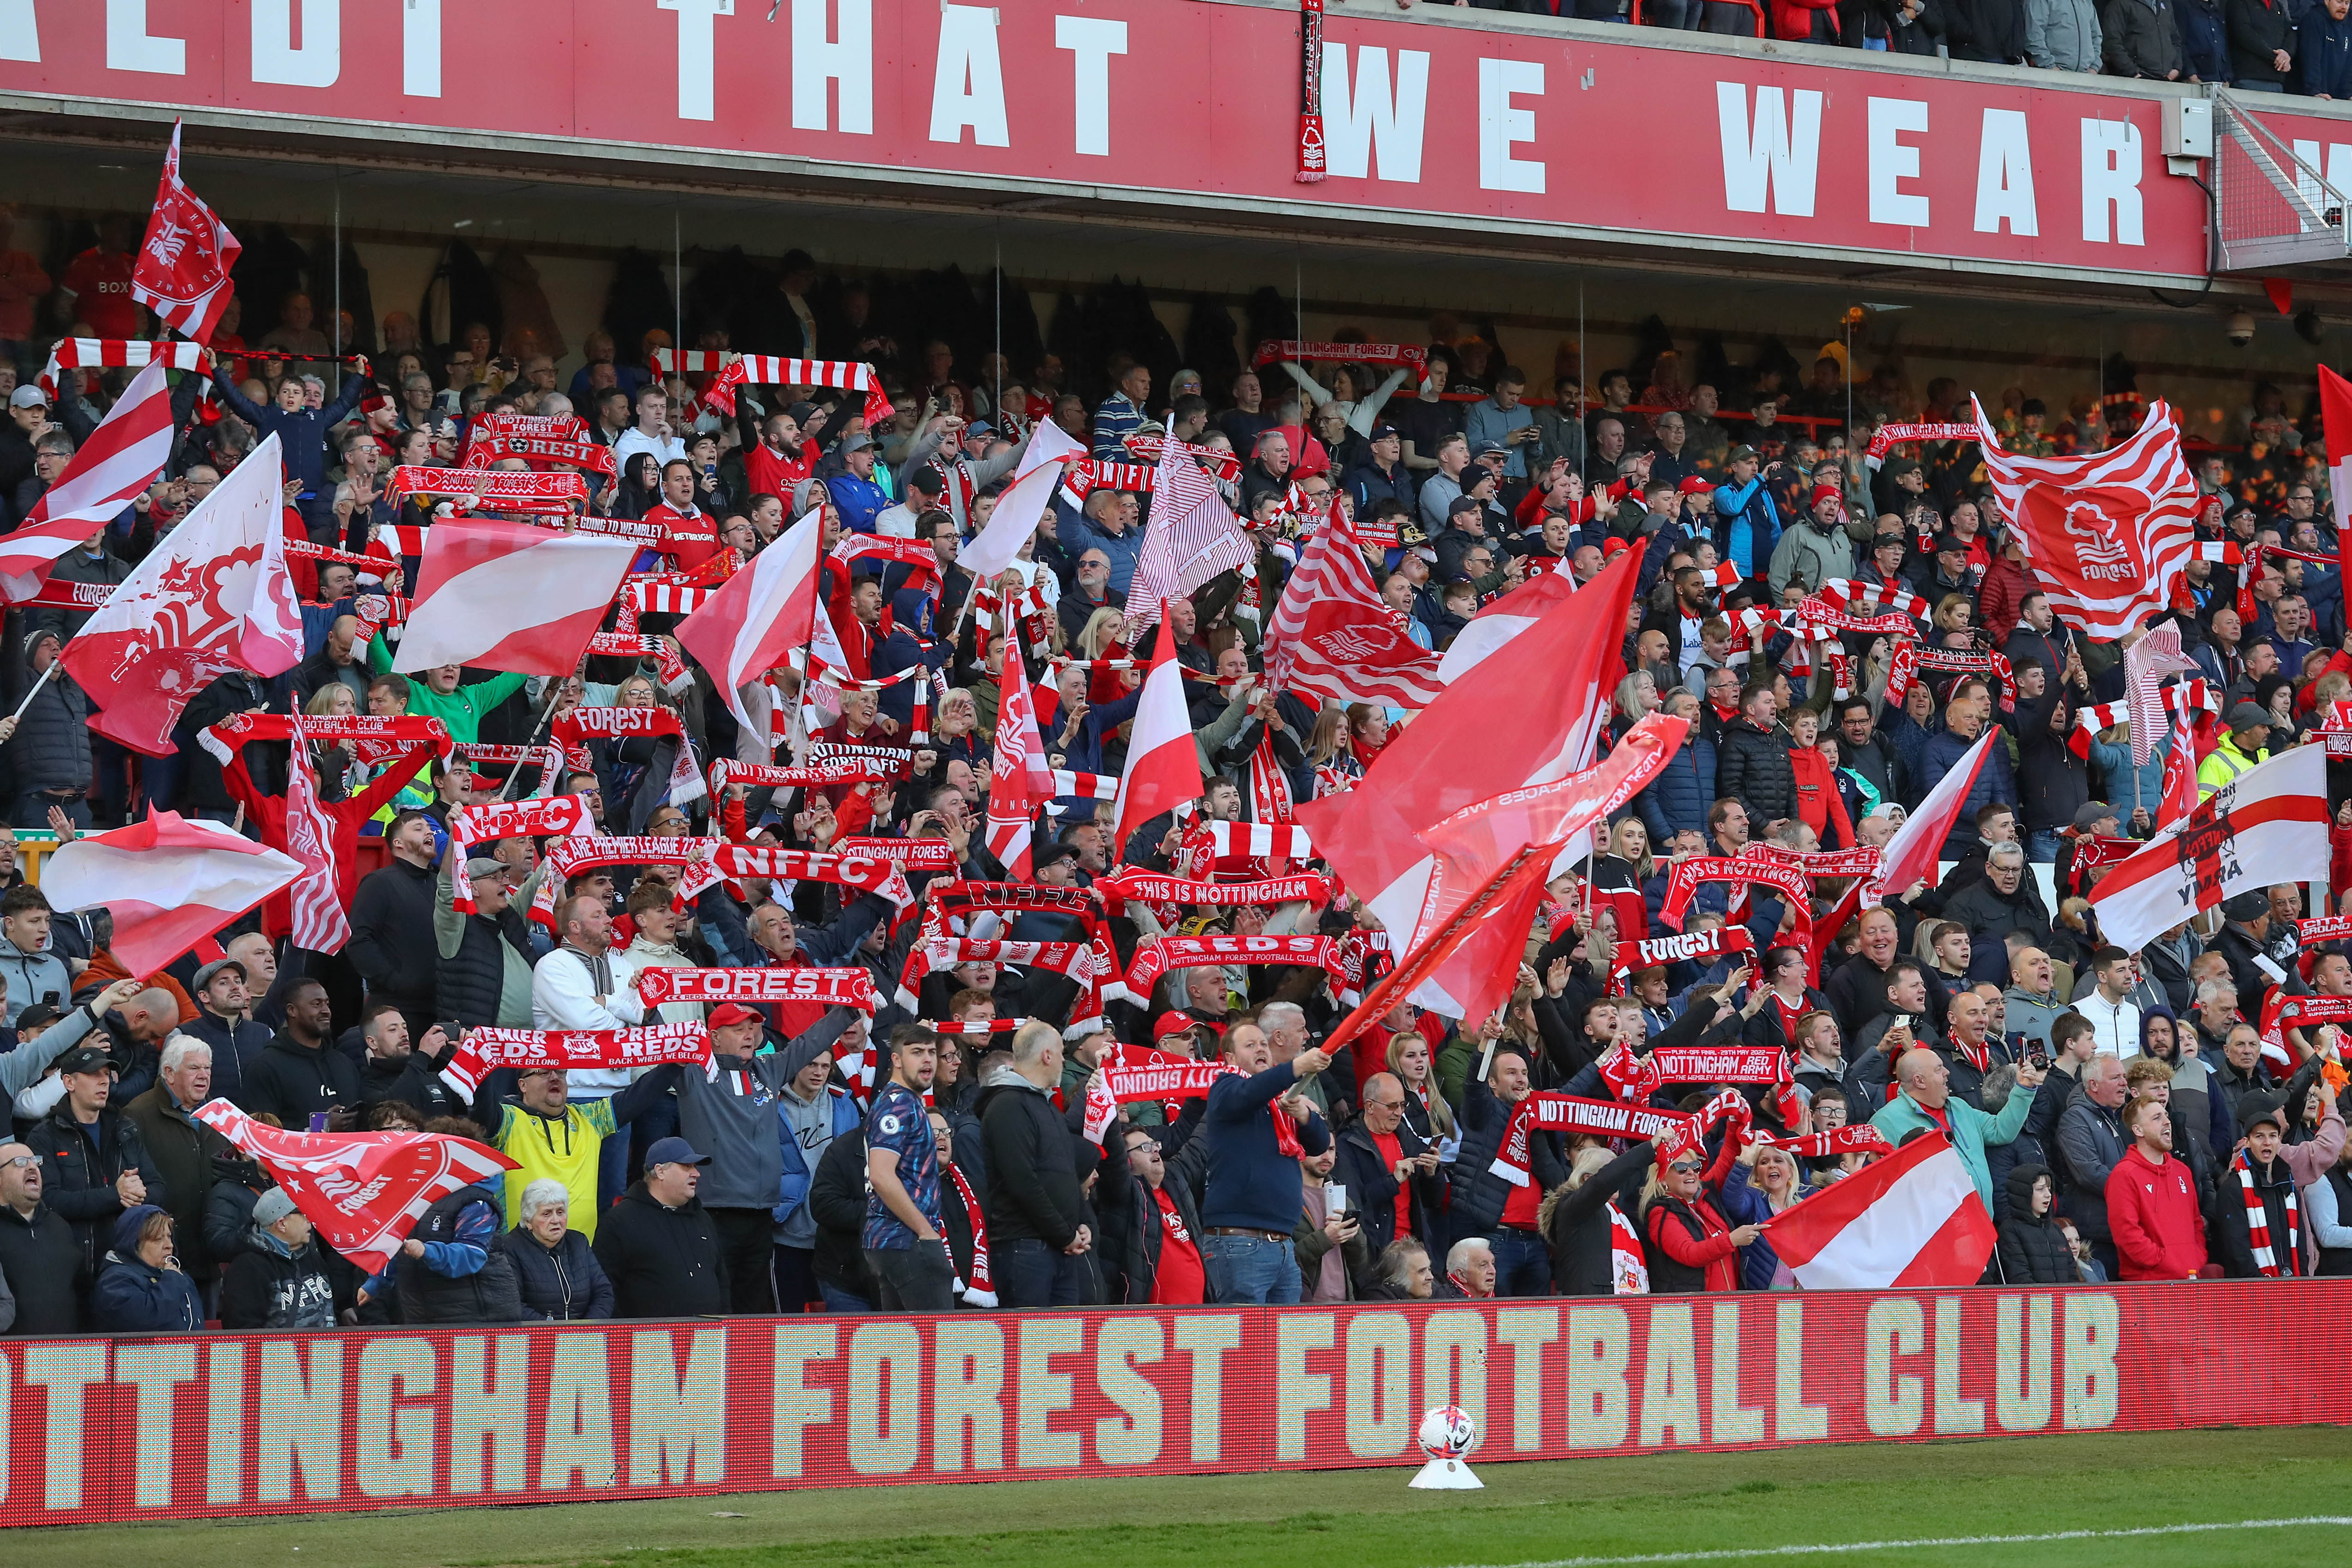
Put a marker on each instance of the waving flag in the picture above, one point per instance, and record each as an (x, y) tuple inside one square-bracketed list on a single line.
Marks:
[(2335, 413), (182, 273), (365, 1191), (507, 595), (2268, 824), (1915, 852), (2146, 664), (121, 459), (211, 597), (1501, 621), (1163, 765), (1334, 636), (1020, 508), (1910, 1220), (1191, 537), (2107, 533), (765, 612), (1019, 782), (170, 883)]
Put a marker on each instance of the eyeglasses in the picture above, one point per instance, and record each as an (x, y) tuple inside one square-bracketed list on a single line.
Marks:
[(1686, 1167), (21, 1161)]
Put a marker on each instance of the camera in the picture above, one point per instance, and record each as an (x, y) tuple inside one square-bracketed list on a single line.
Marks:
[(2241, 329)]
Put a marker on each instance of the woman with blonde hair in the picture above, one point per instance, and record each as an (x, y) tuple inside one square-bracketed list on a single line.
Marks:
[(1574, 1216), (1955, 613), (1424, 1103), (1636, 700), (1761, 1182), (1621, 873), (1102, 637)]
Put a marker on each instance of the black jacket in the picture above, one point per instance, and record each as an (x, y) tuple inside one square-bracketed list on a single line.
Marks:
[(489, 1294), (1751, 766), (1583, 1261), (663, 1262), (392, 935), (1992, 30), (1668, 1278), (267, 1289), (467, 984), (2032, 1251), (2090, 1141), (1033, 1175), (2140, 38), (237, 1184), (291, 1080), (1360, 1166), (235, 1047), (52, 740), (80, 1166), (2233, 1242), (2257, 30), (563, 1283), (1479, 1195), (837, 1202), (414, 1080), (48, 1270)]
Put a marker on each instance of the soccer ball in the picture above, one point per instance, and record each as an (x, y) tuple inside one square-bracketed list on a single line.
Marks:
[(1447, 1431)]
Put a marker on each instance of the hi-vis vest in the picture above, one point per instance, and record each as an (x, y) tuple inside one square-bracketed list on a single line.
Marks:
[(562, 1151)]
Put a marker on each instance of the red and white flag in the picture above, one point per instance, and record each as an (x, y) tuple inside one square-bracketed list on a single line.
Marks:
[(1915, 852), (1020, 508), (211, 596), (170, 881), (119, 460), (2335, 404), (1492, 732), (182, 273), (1191, 537), (1913, 1220), (320, 922), (1501, 621), (363, 1190), (1333, 636), (765, 612), (2268, 824), (507, 595), (1019, 782), (1163, 765), (2104, 534), (2146, 664), (2179, 796)]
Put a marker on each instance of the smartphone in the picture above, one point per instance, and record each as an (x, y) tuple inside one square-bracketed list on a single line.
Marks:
[(1336, 1196), (317, 1121), (2037, 1056), (48, 998), (452, 1030)]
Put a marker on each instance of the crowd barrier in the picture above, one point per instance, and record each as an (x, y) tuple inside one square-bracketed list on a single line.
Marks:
[(133, 1428)]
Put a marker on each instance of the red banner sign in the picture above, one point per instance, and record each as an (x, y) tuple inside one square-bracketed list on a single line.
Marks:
[(1479, 121), (163, 1427)]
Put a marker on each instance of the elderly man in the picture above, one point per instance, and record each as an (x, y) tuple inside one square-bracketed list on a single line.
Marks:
[(2090, 1139), (1470, 1269), (2006, 900), (1924, 1101), (1390, 1173), (42, 1267), (658, 1245), (583, 984), (183, 1147), (1035, 1207), (1257, 1123)]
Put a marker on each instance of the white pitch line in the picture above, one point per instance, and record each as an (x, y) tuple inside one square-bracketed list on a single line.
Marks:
[(1828, 1549)]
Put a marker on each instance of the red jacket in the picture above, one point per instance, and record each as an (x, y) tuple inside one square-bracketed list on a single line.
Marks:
[(2152, 1209), (1712, 1253), (691, 540), (1999, 597), (1818, 801), (1793, 19)]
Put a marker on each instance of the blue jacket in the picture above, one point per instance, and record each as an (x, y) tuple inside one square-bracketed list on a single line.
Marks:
[(2204, 39), (793, 1190), (1079, 534), (302, 434), (1746, 526), (1369, 486), (1251, 1180), (859, 501), (132, 1297), (1996, 781), (1681, 795), (2126, 787), (912, 641), (1740, 1202)]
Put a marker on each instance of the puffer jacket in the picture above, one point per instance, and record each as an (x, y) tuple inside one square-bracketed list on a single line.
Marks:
[(2257, 30), (1751, 766), (2140, 38), (135, 1296), (2032, 1250), (561, 1282), (1682, 794), (50, 748)]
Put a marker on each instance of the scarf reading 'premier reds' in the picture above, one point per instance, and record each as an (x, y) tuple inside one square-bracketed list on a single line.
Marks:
[(1158, 956), (483, 1051), (826, 987), (1151, 889)]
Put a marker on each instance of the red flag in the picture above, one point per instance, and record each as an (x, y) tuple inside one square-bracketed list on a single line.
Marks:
[(1019, 782), (170, 883), (2335, 418), (1491, 731), (1915, 852), (213, 596), (1163, 765), (2179, 770), (507, 595), (182, 273), (1499, 622), (2105, 534), (1913, 1220), (118, 462), (365, 1191), (764, 611), (1333, 636)]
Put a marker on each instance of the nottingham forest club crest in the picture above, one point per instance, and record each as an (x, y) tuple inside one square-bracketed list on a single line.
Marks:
[(2208, 847)]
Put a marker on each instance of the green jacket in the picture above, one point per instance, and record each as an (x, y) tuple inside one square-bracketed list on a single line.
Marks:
[(463, 708), (1971, 1130)]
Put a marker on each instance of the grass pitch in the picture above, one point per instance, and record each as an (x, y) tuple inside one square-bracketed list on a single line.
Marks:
[(1879, 1505)]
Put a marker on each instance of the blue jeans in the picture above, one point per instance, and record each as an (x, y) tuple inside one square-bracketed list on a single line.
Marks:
[(1031, 1273), (1252, 1268), (842, 1301), (2041, 846), (1522, 1263)]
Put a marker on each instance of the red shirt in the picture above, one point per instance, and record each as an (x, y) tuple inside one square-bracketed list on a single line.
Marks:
[(773, 474), (690, 540), (1519, 1208), (102, 290), (1391, 1151), (1179, 1281), (2152, 1209)]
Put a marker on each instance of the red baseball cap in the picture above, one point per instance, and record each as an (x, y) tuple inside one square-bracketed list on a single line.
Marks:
[(1174, 1023), (1695, 485), (726, 1015)]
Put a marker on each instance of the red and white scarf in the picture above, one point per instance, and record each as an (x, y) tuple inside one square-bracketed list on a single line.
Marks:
[(494, 489), (374, 740), (1127, 1074), (772, 370), (937, 955), (855, 766), (543, 817), (2258, 1224), (982, 1291), (1889, 434), (1312, 160), (1411, 355), (1155, 957), (1861, 1138), (1567, 1113), (1629, 1269), (320, 923), (589, 455), (824, 987), (482, 1051), (1151, 889)]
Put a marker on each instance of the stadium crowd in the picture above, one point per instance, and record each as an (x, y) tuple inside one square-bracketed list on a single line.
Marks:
[(2122, 1112), (2252, 45)]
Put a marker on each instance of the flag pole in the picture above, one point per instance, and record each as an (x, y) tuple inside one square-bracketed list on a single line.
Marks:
[(36, 691)]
